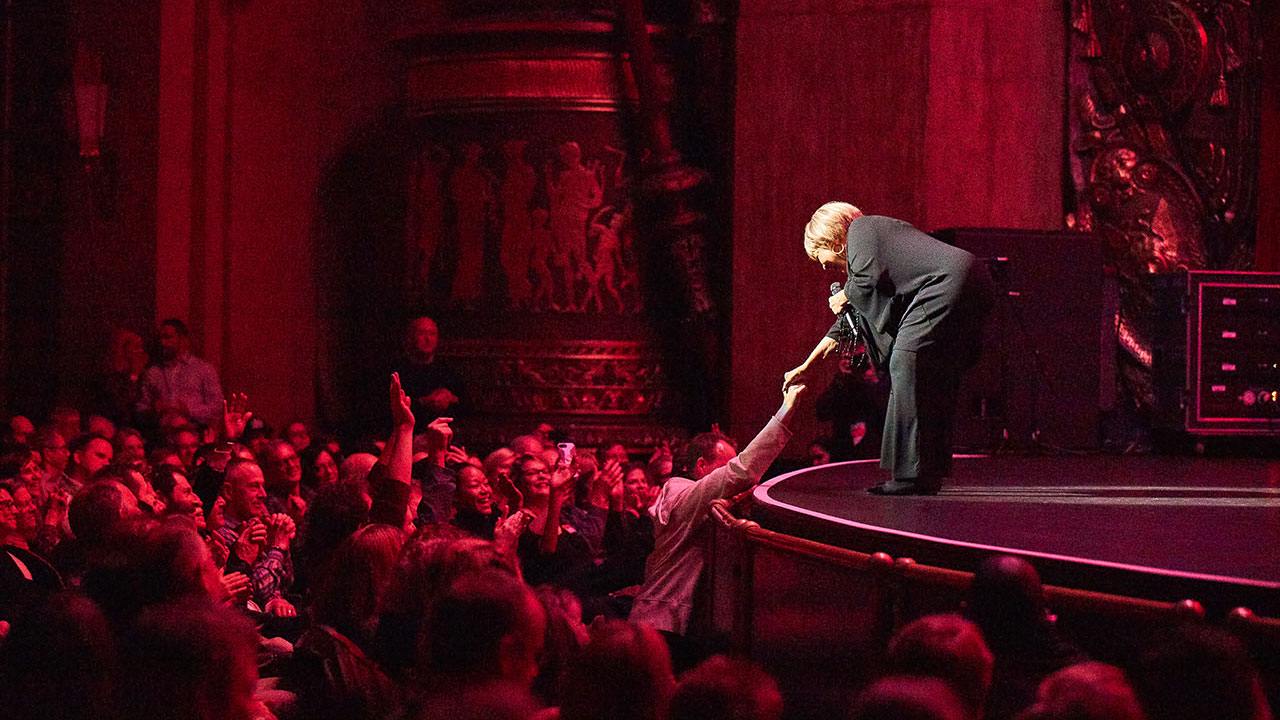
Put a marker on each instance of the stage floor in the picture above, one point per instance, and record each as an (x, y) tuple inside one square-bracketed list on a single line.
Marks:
[(1206, 527)]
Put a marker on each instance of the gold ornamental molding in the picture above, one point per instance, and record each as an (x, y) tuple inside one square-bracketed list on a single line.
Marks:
[(577, 378), (582, 81)]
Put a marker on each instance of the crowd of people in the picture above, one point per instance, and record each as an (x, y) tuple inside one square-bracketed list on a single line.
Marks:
[(181, 559)]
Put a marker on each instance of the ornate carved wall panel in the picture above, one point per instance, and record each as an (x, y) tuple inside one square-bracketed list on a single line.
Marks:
[(1164, 139), (519, 236)]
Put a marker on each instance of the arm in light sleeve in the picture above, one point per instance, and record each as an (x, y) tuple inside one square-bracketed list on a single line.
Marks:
[(740, 473)]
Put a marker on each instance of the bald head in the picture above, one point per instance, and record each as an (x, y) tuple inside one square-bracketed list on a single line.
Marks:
[(99, 508), (420, 340)]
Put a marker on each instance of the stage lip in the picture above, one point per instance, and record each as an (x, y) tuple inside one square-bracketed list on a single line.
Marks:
[(761, 494)]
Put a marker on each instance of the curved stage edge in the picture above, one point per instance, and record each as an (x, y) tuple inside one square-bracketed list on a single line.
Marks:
[(1158, 528)]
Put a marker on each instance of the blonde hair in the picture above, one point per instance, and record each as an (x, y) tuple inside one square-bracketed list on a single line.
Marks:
[(828, 227)]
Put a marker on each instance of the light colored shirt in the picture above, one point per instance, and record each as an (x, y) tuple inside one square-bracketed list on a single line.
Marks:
[(189, 380), (680, 525)]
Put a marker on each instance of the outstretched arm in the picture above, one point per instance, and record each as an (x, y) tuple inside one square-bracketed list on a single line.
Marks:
[(797, 375)]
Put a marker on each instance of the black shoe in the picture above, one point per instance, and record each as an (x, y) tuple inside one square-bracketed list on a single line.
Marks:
[(905, 487)]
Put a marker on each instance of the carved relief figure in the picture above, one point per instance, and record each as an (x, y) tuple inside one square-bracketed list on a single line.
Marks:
[(542, 254), (470, 188), (575, 193), (517, 221), (608, 258), (426, 213)]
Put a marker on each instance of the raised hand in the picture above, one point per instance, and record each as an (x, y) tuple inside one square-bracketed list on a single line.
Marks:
[(612, 476), (439, 435), (792, 377), (251, 541), (280, 531), (234, 416), (237, 587), (508, 489), (218, 549), (296, 507), (792, 393), (457, 454), (401, 405), (562, 478)]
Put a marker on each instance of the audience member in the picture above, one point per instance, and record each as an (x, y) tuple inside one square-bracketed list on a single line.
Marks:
[(549, 551), (190, 661), (497, 467), (54, 457), (297, 435), (25, 578), (1195, 672), (120, 388), (473, 509), (97, 511), (950, 648), (101, 426), (59, 663), (725, 688), (179, 499), (282, 471), (564, 638), (623, 673), (907, 697), (20, 429), (349, 592), (66, 420), (319, 469), (181, 384), (145, 563), (1007, 603), (23, 466), (429, 563), (269, 561), (1087, 691), (149, 502), (434, 388), (185, 442), (713, 470), (130, 449), (89, 454), (487, 625)]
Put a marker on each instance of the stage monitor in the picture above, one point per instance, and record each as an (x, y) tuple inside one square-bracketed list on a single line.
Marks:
[(1047, 369)]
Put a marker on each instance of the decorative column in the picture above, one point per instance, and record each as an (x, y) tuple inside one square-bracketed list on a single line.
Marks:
[(519, 237)]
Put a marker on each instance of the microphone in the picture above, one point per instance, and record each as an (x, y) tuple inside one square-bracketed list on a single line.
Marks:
[(847, 312)]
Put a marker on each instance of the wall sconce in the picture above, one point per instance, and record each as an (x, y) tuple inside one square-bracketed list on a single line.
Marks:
[(91, 102), (90, 98)]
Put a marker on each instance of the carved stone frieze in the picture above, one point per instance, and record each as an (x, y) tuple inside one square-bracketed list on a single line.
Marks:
[(579, 378)]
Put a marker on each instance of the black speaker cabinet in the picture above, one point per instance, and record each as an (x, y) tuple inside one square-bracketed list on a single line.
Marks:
[(1215, 357), (1047, 369)]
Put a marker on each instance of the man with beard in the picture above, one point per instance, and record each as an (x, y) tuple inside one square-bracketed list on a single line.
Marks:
[(182, 383)]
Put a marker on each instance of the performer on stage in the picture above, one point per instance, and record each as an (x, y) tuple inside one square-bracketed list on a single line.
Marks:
[(920, 305)]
